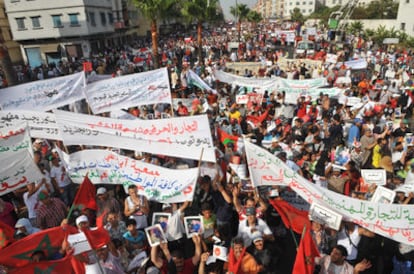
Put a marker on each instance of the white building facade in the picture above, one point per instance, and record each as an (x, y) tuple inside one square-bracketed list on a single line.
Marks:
[(306, 7), (48, 30)]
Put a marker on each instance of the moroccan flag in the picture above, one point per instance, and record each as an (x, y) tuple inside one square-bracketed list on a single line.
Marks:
[(85, 197), (292, 217), (256, 120), (51, 267), (97, 238), (100, 220), (19, 253), (225, 138), (305, 257), (6, 235)]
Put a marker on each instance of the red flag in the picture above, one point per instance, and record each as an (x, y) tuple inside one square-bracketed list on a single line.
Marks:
[(19, 253), (256, 120), (97, 238), (85, 197), (87, 66), (6, 235), (305, 257), (292, 217), (53, 267), (100, 220), (224, 137)]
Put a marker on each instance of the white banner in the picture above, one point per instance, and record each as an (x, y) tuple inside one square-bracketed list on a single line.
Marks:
[(244, 81), (137, 89), (14, 139), (390, 220), (195, 80), (44, 95), (293, 94), (157, 183), (17, 169), (354, 64), (42, 124), (331, 58), (184, 137), (302, 84)]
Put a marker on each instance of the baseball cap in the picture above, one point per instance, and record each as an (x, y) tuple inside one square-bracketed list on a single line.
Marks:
[(250, 211), (81, 219), (257, 236), (101, 191), (166, 205)]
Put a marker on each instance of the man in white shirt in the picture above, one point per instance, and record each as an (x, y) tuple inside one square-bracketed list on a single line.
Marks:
[(248, 227), (59, 176)]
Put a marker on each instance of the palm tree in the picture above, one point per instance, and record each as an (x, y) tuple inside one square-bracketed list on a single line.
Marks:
[(155, 10), (356, 27), (239, 12), (254, 17), (200, 11)]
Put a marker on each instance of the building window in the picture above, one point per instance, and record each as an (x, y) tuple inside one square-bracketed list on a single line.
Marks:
[(20, 23), (310, 10), (73, 19), (110, 18), (333, 2), (303, 11), (297, 3), (311, 3), (402, 26), (103, 18), (304, 3), (57, 21), (35, 22), (407, 1), (92, 18)]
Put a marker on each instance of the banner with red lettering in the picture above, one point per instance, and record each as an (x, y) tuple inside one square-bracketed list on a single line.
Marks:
[(155, 182), (183, 137), (390, 220)]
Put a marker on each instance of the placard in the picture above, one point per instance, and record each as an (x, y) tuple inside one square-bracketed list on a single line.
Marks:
[(383, 195), (155, 235), (374, 176), (193, 225), (162, 219), (79, 243), (325, 216)]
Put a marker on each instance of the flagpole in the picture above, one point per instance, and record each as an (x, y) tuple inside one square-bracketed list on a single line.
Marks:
[(72, 206)]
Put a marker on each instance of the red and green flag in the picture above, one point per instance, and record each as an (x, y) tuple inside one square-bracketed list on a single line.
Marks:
[(6, 235), (292, 217), (85, 197), (305, 257), (19, 253)]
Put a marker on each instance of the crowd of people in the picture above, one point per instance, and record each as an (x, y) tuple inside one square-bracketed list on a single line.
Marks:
[(327, 140)]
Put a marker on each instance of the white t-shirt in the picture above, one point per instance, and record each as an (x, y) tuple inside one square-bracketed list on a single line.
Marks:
[(245, 231), (60, 175), (31, 203)]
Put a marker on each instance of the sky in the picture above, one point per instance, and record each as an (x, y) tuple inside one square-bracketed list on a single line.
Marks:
[(226, 4)]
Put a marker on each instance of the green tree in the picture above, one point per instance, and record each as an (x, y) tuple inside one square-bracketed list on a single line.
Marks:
[(356, 27), (240, 12), (6, 64), (200, 11), (155, 10), (297, 16), (382, 9), (254, 17)]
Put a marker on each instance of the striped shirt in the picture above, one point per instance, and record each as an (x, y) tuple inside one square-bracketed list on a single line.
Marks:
[(52, 214)]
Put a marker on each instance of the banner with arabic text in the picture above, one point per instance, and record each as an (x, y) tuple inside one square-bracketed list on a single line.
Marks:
[(44, 95), (15, 138), (226, 77), (184, 137), (42, 124), (390, 220), (17, 169), (156, 182), (136, 89)]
